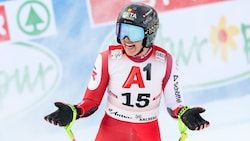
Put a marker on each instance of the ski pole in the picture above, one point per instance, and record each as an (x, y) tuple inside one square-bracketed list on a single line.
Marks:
[(182, 127), (69, 126)]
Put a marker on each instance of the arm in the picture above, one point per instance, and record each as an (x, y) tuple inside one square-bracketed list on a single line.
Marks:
[(92, 98), (174, 101), (172, 87), (96, 87)]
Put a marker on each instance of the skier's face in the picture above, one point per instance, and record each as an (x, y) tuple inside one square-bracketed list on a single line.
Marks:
[(132, 48)]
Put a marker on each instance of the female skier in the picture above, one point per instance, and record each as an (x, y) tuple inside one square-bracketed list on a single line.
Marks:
[(136, 74)]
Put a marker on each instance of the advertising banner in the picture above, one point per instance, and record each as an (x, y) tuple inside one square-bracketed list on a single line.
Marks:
[(48, 50), (24, 20)]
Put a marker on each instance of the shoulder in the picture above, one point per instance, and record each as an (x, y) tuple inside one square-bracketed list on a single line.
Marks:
[(113, 52), (161, 54), (160, 49)]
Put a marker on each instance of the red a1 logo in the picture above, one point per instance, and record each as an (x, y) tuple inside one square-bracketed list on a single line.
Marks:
[(4, 31)]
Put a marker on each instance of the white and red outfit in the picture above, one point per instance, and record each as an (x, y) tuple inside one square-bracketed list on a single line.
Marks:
[(135, 86)]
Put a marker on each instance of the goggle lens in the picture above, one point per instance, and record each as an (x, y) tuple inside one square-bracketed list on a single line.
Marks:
[(134, 33)]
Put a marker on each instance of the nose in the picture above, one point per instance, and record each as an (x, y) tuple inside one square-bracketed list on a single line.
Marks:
[(126, 38)]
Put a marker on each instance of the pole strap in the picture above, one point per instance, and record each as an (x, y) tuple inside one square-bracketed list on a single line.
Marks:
[(181, 125), (69, 126)]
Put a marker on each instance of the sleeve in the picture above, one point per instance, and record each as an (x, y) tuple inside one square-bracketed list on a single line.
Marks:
[(172, 89), (96, 86)]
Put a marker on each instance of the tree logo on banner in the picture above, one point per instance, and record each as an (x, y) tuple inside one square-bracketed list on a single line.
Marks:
[(33, 17)]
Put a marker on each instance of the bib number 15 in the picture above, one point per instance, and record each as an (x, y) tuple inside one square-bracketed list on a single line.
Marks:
[(142, 100)]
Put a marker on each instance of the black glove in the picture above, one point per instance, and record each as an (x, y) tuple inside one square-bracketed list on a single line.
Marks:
[(62, 116), (192, 119)]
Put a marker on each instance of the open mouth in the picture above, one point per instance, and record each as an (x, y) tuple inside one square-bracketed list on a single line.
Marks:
[(129, 45)]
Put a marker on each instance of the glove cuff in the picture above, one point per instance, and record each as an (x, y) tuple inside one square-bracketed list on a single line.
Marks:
[(80, 111), (183, 110)]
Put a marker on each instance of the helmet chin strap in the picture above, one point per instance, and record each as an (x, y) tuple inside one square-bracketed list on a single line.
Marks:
[(143, 46), (141, 50)]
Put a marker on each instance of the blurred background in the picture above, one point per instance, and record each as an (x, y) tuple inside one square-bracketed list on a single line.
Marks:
[(48, 49)]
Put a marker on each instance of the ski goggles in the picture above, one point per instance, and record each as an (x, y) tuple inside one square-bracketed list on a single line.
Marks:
[(134, 33)]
